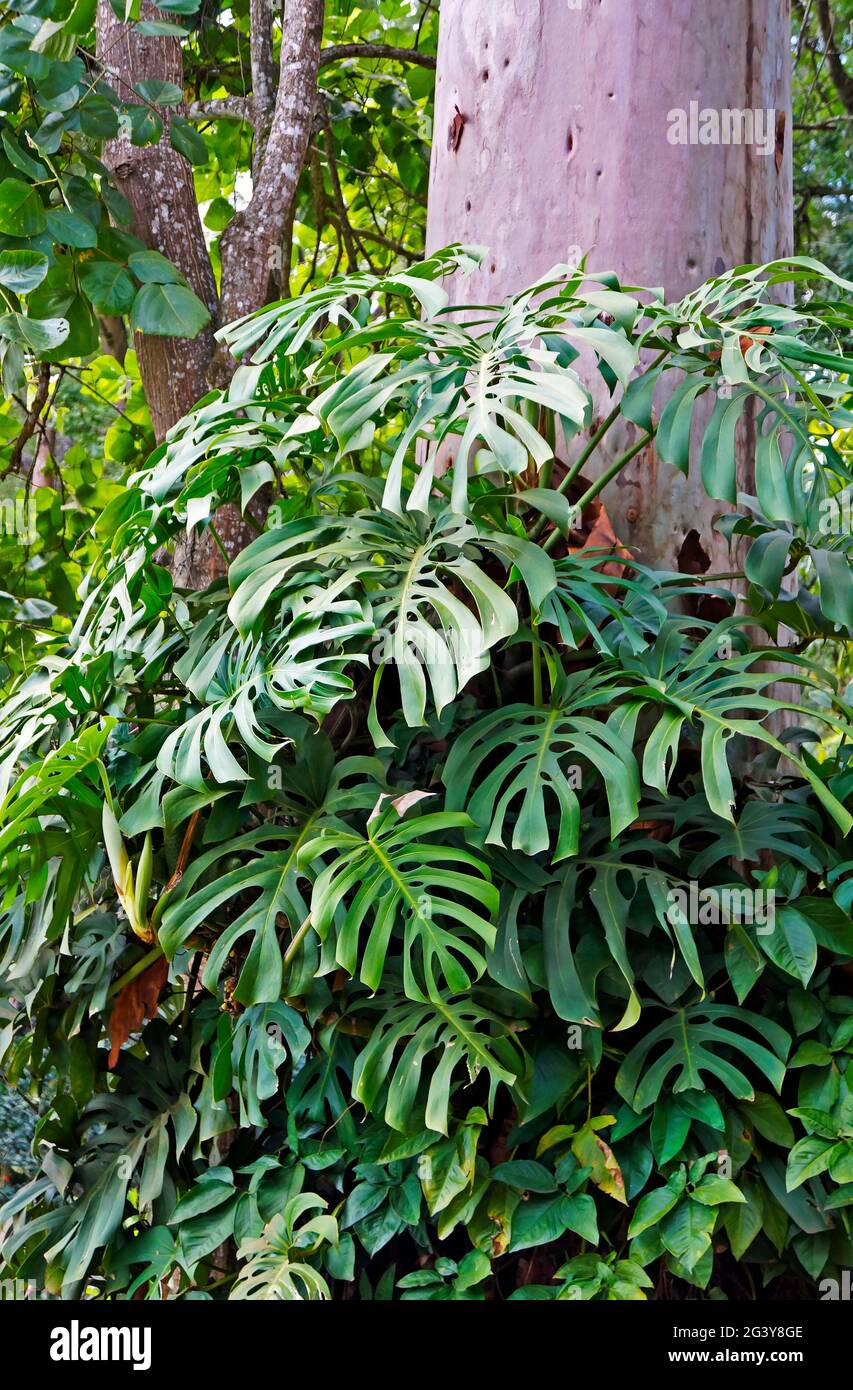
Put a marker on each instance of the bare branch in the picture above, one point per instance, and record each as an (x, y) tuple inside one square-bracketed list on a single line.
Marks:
[(338, 193), (221, 109), (368, 234), (841, 78), (335, 52), (33, 417)]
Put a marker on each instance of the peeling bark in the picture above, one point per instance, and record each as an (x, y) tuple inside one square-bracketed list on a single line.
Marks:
[(551, 134)]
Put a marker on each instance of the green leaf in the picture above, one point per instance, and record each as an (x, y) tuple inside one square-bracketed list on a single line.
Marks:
[(712, 1190), (841, 1163), (653, 1207), (460, 1034), (146, 127), (397, 876), (70, 229), (171, 311), (817, 1121), (159, 93), (695, 1038), (40, 335), (151, 268), (250, 901), (579, 1215), (538, 1222), (525, 1175), (769, 1119), (187, 141), (766, 560), (219, 214), (21, 271), (536, 748), (836, 585), (686, 1231), (719, 454), (673, 436), (23, 161), (669, 1129), (21, 212), (568, 994), (108, 286), (743, 1221), (808, 1158), (790, 944)]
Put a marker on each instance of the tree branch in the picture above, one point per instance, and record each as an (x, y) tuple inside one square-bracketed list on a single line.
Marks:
[(841, 78), (262, 102), (824, 190), (221, 108), (338, 193), (28, 428), (335, 52), (250, 240), (368, 234), (263, 76)]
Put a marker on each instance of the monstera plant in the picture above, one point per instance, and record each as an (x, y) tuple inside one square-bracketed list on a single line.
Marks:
[(377, 920)]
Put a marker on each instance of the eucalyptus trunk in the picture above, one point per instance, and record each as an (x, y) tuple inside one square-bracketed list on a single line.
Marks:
[(555, 129)]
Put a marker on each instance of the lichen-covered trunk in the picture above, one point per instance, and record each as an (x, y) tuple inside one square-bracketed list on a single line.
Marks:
[(555, 128), (252, 238), (158, 184)]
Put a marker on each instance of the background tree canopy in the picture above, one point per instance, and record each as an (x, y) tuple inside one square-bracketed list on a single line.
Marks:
[(371, 816)]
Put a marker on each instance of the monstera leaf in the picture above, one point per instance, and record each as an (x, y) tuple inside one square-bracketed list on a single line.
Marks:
[(619, 891), (787, 829), (479, 384), (697, 1041), (268, 871), (434, 637), (715, 686), (245, 683), (276, 1265), (817, 538), (592, 604), (733, 320), (248, 1054), (442, 1035), (397, 877), (208, 898), (520, 753), (436, 613), (286, 327)]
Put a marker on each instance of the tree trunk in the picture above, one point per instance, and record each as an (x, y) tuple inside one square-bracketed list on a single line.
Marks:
[(564, 142), (251, 243), (158, 184)]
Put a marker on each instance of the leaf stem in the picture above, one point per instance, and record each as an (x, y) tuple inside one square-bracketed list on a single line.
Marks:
[(138, 968), (601, 483), (537, 673), (298, 938)]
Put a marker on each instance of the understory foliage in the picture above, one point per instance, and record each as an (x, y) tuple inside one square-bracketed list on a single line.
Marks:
[(366, 918)]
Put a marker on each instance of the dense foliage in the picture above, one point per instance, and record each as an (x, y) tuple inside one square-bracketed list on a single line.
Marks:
[(823, 106), (442, 902), (78, 281)]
